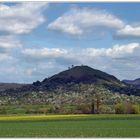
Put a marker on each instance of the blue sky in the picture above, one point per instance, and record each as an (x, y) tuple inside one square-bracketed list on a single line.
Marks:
[(39, 39)]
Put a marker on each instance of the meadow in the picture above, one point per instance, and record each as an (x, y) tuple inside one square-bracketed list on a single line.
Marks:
[(83, 125)]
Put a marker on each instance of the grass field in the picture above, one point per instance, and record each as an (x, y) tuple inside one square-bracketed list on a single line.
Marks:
[(70, 126)]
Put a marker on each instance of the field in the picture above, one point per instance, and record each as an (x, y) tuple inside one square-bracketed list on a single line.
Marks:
[(70, 126)]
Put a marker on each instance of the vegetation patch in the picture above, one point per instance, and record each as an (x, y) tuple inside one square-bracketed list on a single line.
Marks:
[(81, 125)]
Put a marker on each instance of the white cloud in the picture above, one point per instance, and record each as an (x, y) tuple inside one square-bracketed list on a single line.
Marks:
[(19, 18), (9, 42), (5, 56), (84, 20), (10, 70), (54, 53), (115, 51), (44, 53), (121, 61), (22, 17), (122, 50), (29, 71), (78, 21), (129, 31), (6, 44)]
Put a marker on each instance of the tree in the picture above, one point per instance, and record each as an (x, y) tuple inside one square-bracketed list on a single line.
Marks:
[(127, 107), (96, 101), (92, 107)]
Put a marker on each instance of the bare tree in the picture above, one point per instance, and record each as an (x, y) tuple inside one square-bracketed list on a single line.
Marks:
[(72, 66)]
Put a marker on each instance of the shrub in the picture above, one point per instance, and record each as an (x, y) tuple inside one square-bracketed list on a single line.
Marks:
[(53, 109), (119, 108), (3, 111), (135, 109), (106, 110), (126, 108), (84, 108)]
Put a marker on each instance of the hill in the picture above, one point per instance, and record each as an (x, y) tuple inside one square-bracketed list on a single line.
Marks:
[(135, 83), (69, 78), (76, 75)]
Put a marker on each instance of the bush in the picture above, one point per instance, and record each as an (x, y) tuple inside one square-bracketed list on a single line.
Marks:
[(126, 108), (53, 109), (3, 111), (106, 110), (84, 108), (119, 108), (135, 109)]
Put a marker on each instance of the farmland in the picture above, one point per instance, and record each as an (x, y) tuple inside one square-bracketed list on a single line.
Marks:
[(82, 125)]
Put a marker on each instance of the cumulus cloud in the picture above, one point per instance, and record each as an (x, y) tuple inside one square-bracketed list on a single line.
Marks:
[(129, 32), (78, 21), (29, 71), (44, 53), (115, 51), (9, 42), (15, 19), (5, 56), (22, 17), (53, 55), (119, 60), (6, 44)]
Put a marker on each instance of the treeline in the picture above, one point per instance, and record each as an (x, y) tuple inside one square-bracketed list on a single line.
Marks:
[(119, 108), (79, 99)]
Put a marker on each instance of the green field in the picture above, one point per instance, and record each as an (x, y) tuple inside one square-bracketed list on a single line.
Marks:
[(70, 126)]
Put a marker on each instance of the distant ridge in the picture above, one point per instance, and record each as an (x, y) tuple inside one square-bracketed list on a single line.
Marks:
[(135, 83)]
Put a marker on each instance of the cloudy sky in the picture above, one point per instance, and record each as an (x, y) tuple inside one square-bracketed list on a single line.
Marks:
[(39, 39)]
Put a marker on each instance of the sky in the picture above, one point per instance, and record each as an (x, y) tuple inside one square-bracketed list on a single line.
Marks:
[(39, 39)]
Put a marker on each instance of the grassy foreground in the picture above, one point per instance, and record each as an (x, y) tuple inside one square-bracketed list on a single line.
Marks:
[(70, 126)]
